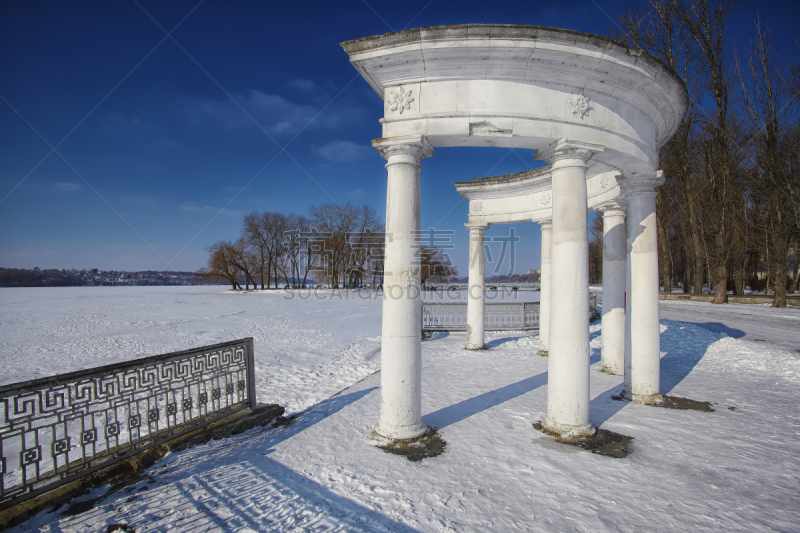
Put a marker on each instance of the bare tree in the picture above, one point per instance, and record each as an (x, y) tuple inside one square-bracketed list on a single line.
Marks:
[(363, 244), (596, 250), (293, 240), (334, 222), (256, 235), (242, 256), (706, 21), (771, 109), (220, 265), (656, 27), (436, 266)]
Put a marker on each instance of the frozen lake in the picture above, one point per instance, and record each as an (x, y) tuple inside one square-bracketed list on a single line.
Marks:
[(734, 469)]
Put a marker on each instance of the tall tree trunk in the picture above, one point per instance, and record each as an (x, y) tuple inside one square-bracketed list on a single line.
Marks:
[(699, 263), (687, 285), (738, 278), (261, 269), (795, 277), (720, 271)]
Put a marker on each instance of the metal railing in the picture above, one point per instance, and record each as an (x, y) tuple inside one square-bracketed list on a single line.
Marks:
[(54, 430), (498, 316), (464, 285), (593, 313)]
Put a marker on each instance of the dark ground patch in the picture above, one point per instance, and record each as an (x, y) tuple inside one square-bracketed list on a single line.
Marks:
[(285, 420), (120, 527), (604, 442), (674, 402), (429, 445)]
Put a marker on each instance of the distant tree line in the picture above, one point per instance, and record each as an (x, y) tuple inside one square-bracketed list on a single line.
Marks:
[(730, 207), (55, 277), (22, 277), (339, 245)]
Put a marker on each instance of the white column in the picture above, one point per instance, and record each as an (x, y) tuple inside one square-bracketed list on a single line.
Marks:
[(401, 350), (642, 330), (544, 288), (568, 361), (475, 290), (614, 275)]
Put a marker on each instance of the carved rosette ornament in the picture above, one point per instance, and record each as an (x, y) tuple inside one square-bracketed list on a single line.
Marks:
[(477, 207), (545, 199), (400, 100), (580, 104), (604, 182)]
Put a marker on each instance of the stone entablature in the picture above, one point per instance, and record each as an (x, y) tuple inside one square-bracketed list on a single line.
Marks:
[(523, 86), (527, 196)]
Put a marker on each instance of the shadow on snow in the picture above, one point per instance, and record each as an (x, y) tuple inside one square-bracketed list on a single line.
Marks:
[(467, 408), (679, 361), (682, 356), (233, 484)]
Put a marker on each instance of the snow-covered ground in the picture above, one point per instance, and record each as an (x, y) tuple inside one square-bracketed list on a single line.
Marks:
[(309, 345), (736, 469), (756, 323)]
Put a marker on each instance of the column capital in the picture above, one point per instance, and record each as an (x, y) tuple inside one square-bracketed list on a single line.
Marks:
[(563, 149), (545, 224), (640, 182), (475, 226), (416, 146), (613, 207)]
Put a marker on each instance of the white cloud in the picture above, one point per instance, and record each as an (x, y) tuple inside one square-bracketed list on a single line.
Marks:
[(276, 114), (343, 151), (191, 207)]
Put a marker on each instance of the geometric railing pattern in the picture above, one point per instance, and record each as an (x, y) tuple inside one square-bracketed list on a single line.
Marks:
[(56, 429), (498, 316), (464, 285)]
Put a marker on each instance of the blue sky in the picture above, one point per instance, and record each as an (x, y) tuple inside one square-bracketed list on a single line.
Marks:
[(158, 156)]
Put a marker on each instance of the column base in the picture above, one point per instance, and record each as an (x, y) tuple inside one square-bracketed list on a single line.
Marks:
[(543, 353), (392, 434), (644, 399), (564, 432), (470, 346)]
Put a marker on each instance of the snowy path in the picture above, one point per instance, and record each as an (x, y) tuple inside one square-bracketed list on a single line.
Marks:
[(756, 323), (733, 469)]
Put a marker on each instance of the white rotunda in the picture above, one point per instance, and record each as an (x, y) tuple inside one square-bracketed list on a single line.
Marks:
[(597, 113)]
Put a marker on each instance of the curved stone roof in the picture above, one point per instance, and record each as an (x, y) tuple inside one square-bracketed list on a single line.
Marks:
[(506, 178), (508, 31), (524, 54)]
